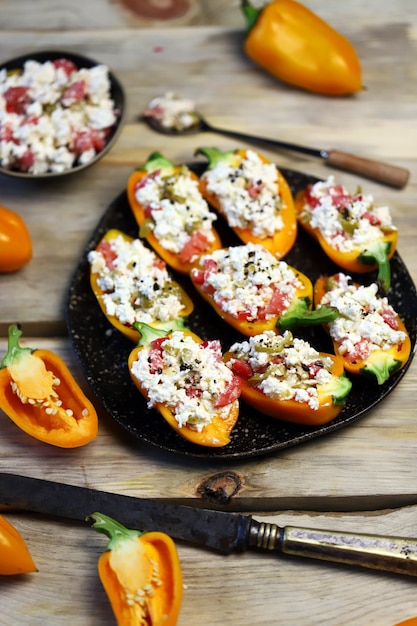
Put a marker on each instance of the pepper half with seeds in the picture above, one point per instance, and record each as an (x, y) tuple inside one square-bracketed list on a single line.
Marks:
[(40, 395), (141, 574), (355, 234), (368, 333), (286, 378), (152, 295), (253, 196), (167, 205), (253, 291), (186, 381)]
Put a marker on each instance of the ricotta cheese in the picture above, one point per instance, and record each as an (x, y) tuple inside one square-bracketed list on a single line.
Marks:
[(248, 194), (284, 367), (246, 277), (177, 207), (189, 378), (346, 221), (362, 316), (54, 116), (137, 287)]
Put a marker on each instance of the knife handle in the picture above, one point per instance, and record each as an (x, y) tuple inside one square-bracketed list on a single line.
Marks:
[(389, 554), (375, 170)]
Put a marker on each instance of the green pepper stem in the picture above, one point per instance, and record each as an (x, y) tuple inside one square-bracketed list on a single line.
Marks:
[(14, 349), (149, 333), (156, 161), (251, 14), (214, 155), (112, 529), (299, 314), (377, 253), (382, 369)]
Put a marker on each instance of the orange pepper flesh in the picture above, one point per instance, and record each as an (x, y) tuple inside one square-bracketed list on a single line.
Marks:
[(214, 435), (40, 395), (296, 46), (171, 258), (380, 362), (15, 557), (283, 240), (411, 621), (141, 574), (291, 410), (126, 329), (15, 241), (349, 261)]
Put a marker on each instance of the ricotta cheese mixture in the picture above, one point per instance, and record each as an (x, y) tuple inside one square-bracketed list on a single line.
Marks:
[(346, 221), (136, 283), (173, 112), (366, 321), (53, 115), (283, 367), (187, 377), (248, 194), (243, 280), (177, 208)]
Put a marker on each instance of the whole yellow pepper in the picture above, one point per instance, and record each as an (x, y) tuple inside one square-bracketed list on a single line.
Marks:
[(296, 46)]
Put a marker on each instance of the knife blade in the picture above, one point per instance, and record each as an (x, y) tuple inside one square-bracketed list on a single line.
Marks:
[(222, 531)]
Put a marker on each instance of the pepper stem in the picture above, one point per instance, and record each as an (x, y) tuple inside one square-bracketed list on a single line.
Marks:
[(149, 333), (214, 156), (14, 350), (156, 161), (381, 367), (299, 314), (378, 253), (112, 529), (250, 12)]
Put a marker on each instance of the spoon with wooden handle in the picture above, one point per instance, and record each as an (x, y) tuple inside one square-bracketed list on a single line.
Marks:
[(391, 175)]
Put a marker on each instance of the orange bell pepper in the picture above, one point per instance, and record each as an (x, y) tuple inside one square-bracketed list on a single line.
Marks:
[(15, 241), (296, 46), (334, 217), (362, 348), (287, 379), (275, 207), (185, 379), (188, 216), (15, 557), (262, 292), (160, 309), (141, 574), (40, 395), (411, 621)]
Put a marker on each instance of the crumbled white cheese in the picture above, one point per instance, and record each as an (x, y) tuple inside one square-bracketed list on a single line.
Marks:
[(172, 112), (61, 119), (137, 288), (246, 277), (189, 379), (178, 209), (287, 368), (360, 316), (248, 194), (346, 221)]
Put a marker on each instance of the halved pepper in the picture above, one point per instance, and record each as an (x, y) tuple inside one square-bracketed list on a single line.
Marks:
[(141, 574), (368, 333), (253, 196), (186, 381), (287, 379), (153, 296), (40, 395), (170, 211), (253, 291), (15, 557), (354, 233)]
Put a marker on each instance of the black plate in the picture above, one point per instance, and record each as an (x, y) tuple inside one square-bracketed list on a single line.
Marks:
[(116, 92), (103, 351)]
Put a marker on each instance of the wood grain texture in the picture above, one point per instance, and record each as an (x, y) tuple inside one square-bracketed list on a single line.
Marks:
[(362, 478)]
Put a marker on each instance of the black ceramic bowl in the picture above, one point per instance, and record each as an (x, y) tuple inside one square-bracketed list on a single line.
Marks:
[(116, 94)]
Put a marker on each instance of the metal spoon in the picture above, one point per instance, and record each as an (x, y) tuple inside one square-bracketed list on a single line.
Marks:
[(391, 175)]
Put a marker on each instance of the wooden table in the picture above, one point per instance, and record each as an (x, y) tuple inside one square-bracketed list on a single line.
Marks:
[(362, 478)]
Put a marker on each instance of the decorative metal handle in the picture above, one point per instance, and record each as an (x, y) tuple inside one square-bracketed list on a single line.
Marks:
[(389, 554)]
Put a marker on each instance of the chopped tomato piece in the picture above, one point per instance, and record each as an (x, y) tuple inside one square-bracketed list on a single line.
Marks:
[(16, 99), (230, 394), (390, 318), (65, 64), (242, 369), (108, 253), (74, 93), (194, 246)]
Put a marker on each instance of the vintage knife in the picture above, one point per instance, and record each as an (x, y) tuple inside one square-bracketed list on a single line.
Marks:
[(219, 530)]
